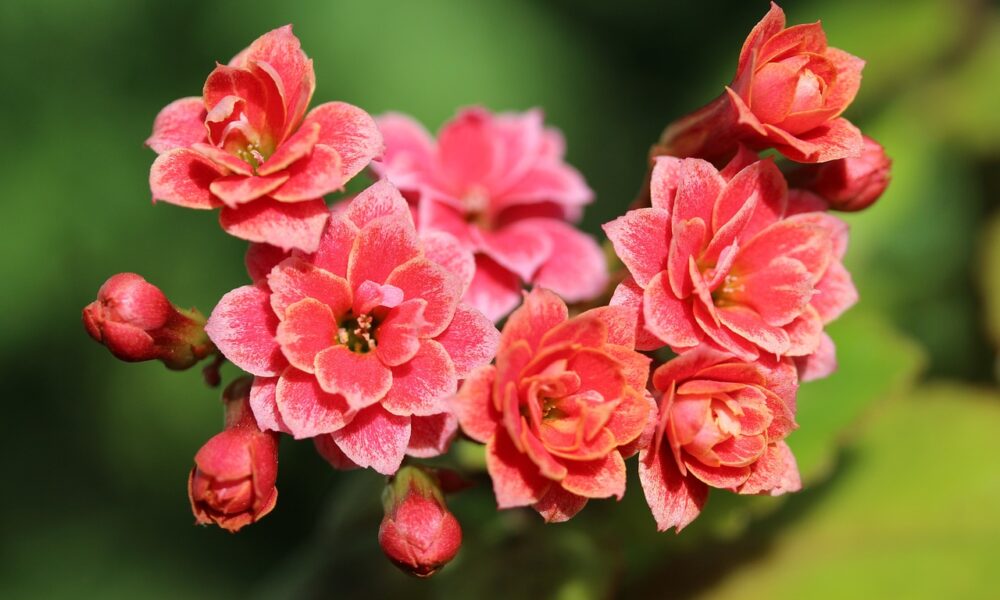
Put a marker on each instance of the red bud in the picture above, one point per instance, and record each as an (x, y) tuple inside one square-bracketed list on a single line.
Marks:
[(418, 533), (849, 184), (233, 481), (137, 322)]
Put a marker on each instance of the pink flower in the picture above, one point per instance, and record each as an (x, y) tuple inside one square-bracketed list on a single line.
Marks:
[(244, 146), (498, 183), (364, 340), (232, 483), (849, 184), (418, 533), (137, 322), (789, 91), (722, 424), (727, 263), (562, 408)]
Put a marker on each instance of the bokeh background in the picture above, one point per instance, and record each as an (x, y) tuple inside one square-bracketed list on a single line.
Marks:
[(898, 449)]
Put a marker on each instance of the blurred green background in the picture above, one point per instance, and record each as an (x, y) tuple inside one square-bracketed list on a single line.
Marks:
[(898, 449)]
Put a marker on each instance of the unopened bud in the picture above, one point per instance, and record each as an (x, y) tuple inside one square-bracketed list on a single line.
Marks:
[(849, 184), (418, 533), (137, 322), (233, 481)]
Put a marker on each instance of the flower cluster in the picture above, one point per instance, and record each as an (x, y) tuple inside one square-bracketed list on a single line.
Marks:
[(369, 329)]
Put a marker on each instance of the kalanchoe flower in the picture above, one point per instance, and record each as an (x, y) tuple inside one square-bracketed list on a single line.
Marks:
[(722, 423), (848, 184), (418, 533), (499, 184), (244, 146), (232, 483), (363, 341), (789, 91), (727, 263), (562, 408), (137, 322)]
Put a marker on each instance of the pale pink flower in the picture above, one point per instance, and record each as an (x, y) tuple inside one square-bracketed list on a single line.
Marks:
[(499, 184)]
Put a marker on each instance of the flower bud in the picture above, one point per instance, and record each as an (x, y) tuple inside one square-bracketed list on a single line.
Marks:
[(232, 483), (418, 534), (137, 322), (849, 184)]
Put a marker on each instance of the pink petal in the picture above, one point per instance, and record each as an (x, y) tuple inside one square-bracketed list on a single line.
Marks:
[(668, 317), (408, 150), (775, 473), (261, 258), (471, 340), (778, 292), (820, 364), (516, 480), (768, 27), (242, 327), (361, 378), (251, 93), (718, 477), (375, 438), (295, 279), (848, 80), (331, 453), (382, 246), (598, 478), (473, 405), (182, 177), (311, 177), (640, 240), (466, 149), (381, 199), (287, 226), (421, 278), (835, 292), (576, 269), (430, 436), (446, 251), (399, 335), (665, 178), (674, 500), (494, 291), (423, 385), (351, 132), (794, 238), (699, 189), (547, 182), (309, 327), (223, 159), (306, 409), (335, 245), (180, 124), (772, 91), (620, 324), (751, 326), (558, 505), (290, 151), (628, 295), (630, 417), (542, 310), (833, 140), (281, 51), (264, 405), (370, 295), (689, 237), (520, 247), (804, 333), (234, 190)]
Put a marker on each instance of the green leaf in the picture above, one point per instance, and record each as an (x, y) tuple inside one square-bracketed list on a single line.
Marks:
[(913, 514)]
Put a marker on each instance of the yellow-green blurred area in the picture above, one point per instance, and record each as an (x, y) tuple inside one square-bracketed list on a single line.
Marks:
[(898, 450)]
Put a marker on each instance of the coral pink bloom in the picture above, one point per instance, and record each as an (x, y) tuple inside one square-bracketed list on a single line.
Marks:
[(789, 92), (722, 423), (725, 263), (364, 340), (499, 184), (245, 146), (562, 408)]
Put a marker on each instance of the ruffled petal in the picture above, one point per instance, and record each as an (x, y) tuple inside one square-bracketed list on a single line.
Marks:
[(183, 177), (423, 385), (287, 226), (180, 124), (351, 132), (375, 438), (361, 378), (306, 409), (242, 326)]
